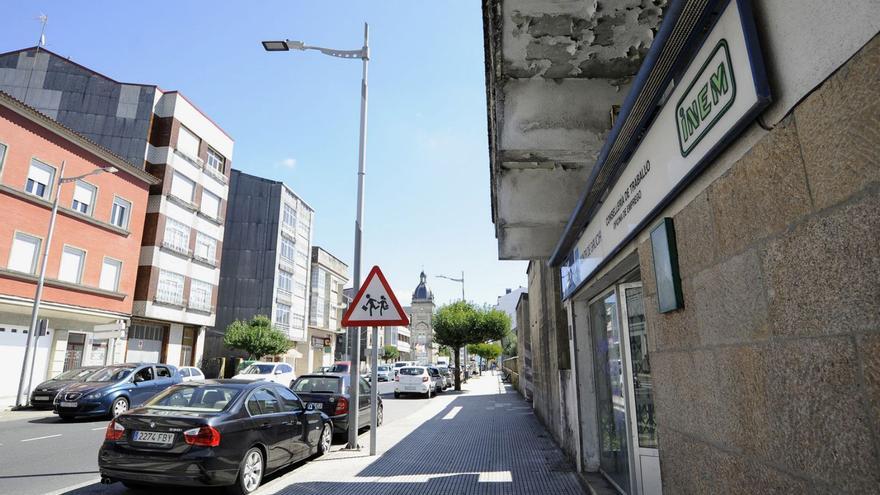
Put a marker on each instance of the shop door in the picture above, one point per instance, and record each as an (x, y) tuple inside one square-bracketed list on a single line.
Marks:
[(611, 403), (640, 392), (73, 355)]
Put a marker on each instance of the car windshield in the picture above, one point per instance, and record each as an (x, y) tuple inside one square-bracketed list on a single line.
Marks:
[(383, 368), (110, 374), (399, 365), (339, 368), (76, 374), (412, 371), (201, 398), (317, 385), (258, 369)]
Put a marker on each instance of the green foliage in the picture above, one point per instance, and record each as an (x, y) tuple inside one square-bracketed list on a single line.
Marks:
[(390, 352), (256, 337), (444, 351), (487, 351), (509, 343), (461, 324)]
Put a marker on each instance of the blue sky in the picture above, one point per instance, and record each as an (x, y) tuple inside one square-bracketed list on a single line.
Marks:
[(294, 116)]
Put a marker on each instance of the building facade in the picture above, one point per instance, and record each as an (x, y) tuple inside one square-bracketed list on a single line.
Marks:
[(165, 134), (93, 257), (399, 337), (326, 307), (703, 298), (267, 244), (421, 322)]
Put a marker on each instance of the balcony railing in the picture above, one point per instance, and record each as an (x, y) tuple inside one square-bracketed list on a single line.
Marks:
[(203, 306), (193, 160), (176, 248), (214, 174), (173, 298)]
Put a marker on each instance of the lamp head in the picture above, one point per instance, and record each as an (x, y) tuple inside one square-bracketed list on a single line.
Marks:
[(275, 46)]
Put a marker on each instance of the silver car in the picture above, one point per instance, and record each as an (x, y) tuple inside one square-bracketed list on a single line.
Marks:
[(439, 380), (385, 373)]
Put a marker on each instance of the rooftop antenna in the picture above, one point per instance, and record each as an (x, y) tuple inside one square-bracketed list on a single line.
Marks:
[(44, 19)]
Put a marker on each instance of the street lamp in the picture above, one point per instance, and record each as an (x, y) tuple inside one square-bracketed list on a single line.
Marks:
[(24, 382), (461, 281), (364, 55)]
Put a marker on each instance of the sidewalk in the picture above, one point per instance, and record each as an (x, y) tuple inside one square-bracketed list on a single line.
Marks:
[(482, 440)]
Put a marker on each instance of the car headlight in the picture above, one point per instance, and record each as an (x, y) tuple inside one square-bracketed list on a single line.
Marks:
[(94, 396)]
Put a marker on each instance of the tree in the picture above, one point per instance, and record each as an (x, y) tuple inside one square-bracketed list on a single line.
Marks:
[(486, 351), (256, 337), (458, 324), (390, 353)]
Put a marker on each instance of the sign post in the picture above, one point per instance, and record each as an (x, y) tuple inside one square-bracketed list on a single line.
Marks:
[(374, 305)]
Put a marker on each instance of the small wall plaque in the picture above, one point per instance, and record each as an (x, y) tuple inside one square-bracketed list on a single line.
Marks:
[(669, 296)]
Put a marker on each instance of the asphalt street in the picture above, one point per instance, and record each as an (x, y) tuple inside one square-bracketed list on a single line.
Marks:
[(39, 454)]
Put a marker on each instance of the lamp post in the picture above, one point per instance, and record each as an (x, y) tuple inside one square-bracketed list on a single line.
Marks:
[(355, 332), (461, 281), (24, 381)]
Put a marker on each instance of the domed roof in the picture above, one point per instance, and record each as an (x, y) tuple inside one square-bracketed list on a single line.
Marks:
[(422, 291)]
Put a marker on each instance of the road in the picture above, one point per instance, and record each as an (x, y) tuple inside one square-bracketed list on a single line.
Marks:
[(39, 454)]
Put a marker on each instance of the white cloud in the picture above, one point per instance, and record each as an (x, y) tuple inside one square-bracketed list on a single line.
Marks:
[(288, 162)]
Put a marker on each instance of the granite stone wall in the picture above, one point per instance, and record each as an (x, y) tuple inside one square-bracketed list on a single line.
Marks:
[(768, 381)]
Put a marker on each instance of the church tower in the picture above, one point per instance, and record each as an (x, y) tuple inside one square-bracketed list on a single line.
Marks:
[(422, 322)]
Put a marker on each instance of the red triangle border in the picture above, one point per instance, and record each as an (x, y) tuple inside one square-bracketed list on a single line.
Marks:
[(375, 272)]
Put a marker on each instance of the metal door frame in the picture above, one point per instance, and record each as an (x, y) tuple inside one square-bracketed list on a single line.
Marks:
[(635, 451)]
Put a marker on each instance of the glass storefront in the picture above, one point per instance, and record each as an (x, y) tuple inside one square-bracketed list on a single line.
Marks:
[(610, 394)]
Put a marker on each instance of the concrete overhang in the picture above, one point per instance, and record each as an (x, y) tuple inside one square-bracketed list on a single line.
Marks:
[(556, 71)]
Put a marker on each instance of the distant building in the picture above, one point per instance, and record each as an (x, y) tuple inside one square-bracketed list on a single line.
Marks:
[(508, 301), (421, 322), (93, 257), (268, 252), (326, 306), (163, 133)]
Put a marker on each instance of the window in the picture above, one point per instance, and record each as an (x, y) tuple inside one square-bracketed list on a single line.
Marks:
[(40, 179), (289, 216), (23, 257), (285, 368), (83, 197), (300, 290), (183, 187), (200, 295), (144, 375), (289, 401), (206, 248), (188, 143), (184, 372), (170, 289), (263, 402), (282, 314), (119, 213), (216, 160), (2, 155), (285, 280), (110, 271), (210, 204), (163, 372), (297, 322), (176, 236), (72, 261), (288, 251)]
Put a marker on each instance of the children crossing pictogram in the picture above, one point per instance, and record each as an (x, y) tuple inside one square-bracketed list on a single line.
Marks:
[(375, 304)]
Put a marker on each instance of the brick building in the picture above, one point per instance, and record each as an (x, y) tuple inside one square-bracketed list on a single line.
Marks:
[(164, 134), (92, 264)]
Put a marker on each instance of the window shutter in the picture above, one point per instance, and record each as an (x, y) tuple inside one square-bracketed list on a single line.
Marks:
[(110, 275), (71, 265), (24, 253), (210, 204)]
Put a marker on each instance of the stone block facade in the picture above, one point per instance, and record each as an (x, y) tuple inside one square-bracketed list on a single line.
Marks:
[(767, 381)]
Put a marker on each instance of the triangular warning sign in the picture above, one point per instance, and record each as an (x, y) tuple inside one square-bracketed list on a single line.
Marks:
[(375, 304)]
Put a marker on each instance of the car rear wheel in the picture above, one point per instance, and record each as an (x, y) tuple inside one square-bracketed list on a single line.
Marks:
[(119, 406), (250, 473), (396, 395), (326, 440), (379, 416)]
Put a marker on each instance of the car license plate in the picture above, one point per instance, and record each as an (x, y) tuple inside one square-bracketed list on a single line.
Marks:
[(41, 397), (68, 404), (315, 406), (409, 387), (154, 437)]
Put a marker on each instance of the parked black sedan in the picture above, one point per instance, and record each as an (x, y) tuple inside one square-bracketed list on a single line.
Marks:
[(220, 432), (44, 393), (329, 393)]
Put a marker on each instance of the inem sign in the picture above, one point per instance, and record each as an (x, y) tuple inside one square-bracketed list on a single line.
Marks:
[(717, 92), (706, 99)]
